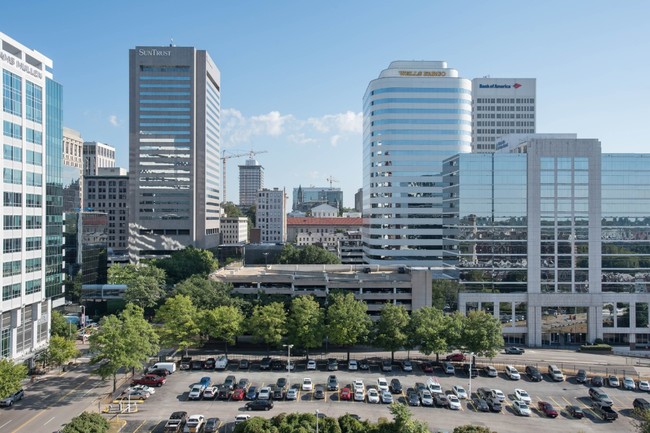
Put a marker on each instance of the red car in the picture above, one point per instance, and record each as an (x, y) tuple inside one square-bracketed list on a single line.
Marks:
[(427, 367), (547, 408), (456, 357), (238, 394), (149, 380), (346, 394)]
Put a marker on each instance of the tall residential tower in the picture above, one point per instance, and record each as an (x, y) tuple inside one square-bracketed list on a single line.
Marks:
[(416, 114), (174, 140)]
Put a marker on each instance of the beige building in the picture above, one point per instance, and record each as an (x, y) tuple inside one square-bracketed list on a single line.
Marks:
[(234, 230), (326, 232), (376, 285), (73, 149), (97, 155)]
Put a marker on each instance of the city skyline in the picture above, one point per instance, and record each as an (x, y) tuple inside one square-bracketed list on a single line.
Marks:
[(294, 74)]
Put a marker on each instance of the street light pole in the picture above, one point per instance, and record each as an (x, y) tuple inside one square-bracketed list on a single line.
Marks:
[(471, 367), (288, 346)]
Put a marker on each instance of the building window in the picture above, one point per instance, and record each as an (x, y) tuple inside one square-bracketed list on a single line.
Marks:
[(14, 199), (33, 243), (11, 93), (10, 291), (11, 268), (13, 153), (13, 176), (32, 286), (12, 222), (13, 130), (33, 102), (5, 351), (12, 245)]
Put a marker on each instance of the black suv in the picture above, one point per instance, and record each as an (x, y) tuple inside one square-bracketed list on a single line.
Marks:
[(265, 363), (332, 364), (259, 405), (470, 371), (581, 376), (332, 383), (186, 363), (533, 373), (641, 404), (395, 386)]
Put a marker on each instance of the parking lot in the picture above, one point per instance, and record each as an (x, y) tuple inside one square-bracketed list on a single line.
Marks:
[(173, 396)]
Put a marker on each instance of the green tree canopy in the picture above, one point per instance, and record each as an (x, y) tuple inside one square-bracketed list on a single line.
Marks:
[(145, 283), (472, 429), (61, 327), (428, 330), (11, 376), (391, 330), (231, 209), (87, 422), (308, 255), (347, 321), (305, 327), (481, 334), (268, 323), (224, 323), (60, 350), (178, 318), (207, 294), (403, 421), (187, 262), (444, 293)]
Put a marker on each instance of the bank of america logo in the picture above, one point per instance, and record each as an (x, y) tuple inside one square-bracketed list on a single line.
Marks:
[(516, 85)]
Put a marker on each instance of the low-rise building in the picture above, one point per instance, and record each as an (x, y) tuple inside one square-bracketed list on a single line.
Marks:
[(234, 230), (325, 232)]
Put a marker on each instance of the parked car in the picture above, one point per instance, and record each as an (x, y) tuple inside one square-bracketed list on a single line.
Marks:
[(470, 370), (600, 397), (265, 363), (453, 402), (604, 411), (597, 381), (426, 398), (372, 395), (407, 366), (224, 393), (292, 394), (244, 364), (282, 383), (212, 425), (440, 399), (514, 351), (210, 392), (522, 395), (277, 365), (382, 384), (481, 405), (332, 383), (186, 363), (196, 392), (307, 384), (208, 364), (357, 384), (159, 372), (332, 364), (581, 376), (395, 386), (149, 389), (386, 397), (237, 395), (386, 365), (490, 371), (575, 411), (494, 404), (641, 404), (175, 422), (359, 395), (259, 405), (628, 383), (419, 386), (230, 382), (241, 418), (455, 357), (221, 363), (533, 373), (512, 372), (434, 386), (194, 423), (520, 408), (412, 397), (196, 364), (277, 393), (251, 394), (499, 395), (135, 394), (244, 383), (311, 365), (264, 393), (448, 368), (547, 409), (319, 392), (644, 385), (427, 367), (149, 380), (484, 393), (459, 391), (363, 364), (613, 381), (346, 394), (205, 381)]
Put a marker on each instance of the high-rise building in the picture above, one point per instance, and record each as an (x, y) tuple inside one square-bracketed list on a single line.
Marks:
[(32, 279), (251, 180), (86, 246), (416, 114), (73, 149), (271, 215), (550, 236), (501, 106), (107, 192), (306, 198), (72, 170), (97, 155), (174, 139)]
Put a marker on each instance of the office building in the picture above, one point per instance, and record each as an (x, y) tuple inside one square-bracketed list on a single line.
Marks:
[(350, 248), (97, 155), (174, 140), (416, 114), (325, 232), (271, 215), (550, 236), (358, 200), (107, 192), (73, 149), (306, 198), (234, 230), (501, 106), (32, 281), (86, 246), (251, 181)]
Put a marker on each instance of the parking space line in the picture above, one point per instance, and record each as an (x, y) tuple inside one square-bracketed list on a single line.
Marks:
[(138, 428)]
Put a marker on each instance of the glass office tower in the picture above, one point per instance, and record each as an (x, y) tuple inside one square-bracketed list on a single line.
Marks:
[(174, 136), (416, 114)]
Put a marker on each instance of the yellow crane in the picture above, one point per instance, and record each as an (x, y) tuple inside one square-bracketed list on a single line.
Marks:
[(225, 157)]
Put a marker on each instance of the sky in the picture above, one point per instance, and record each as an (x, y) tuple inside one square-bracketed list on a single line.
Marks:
[(293, 73)]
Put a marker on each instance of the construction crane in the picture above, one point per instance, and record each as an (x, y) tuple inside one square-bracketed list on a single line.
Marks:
[(225, 157), (330, 179)]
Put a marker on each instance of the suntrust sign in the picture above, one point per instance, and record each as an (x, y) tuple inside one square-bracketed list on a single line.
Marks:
[(154, 52), (13, 61)]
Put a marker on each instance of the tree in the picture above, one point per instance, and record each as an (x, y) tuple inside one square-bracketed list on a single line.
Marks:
[(472, 429), (178, 318), (308, 255), (444, 293), (642, 420), (11, 376), (403, 421), (141, 337), (428, 330), (305, 327), (230, 209), (223, 323), (390, 331), (60, 350), (87, 422), (347, 320), (454, 324), (207, 294), (481, 334), (185, 263), (73, 287), (255, 425), (61, 327), (268, 323), (145, 284)]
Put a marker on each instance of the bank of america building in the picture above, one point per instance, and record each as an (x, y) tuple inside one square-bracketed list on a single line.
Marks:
[(552, 236), (31, 200), (174, 136)]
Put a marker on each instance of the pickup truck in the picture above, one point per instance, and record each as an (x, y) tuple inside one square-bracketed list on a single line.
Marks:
[(604, 411)]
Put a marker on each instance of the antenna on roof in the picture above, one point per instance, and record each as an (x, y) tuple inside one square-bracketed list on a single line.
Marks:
[(172, 43)]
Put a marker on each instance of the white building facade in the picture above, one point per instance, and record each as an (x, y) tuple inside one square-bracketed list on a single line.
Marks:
[(416, 114), (501, 106), (234, 230), (97, 155), (271, 215)]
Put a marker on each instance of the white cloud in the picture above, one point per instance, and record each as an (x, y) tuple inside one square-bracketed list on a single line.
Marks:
[(349, 122), (112, 119)]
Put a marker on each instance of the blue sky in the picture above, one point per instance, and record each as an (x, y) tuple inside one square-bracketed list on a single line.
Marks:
[(294, 72)]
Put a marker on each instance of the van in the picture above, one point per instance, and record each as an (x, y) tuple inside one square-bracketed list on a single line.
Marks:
[(169, 366), (555, 373), (221, 363)]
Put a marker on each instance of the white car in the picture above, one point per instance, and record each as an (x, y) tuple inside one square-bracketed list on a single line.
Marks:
[(353, 365), (373, 395), (358, 385), (382, 385), (459, 391), (499, 395), (196, 392), (311, 365), (307, 384), (194, 423), (359, 395), (241, 418), (434, 387), (265, 393), (407, 366), (452, 402), (628, 383), (490, 371), (386, 397), (644, 385), (144, 388), (512, 372), (520, 408), (292, 394), (522, 395), (426, 398), (210, 392)]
